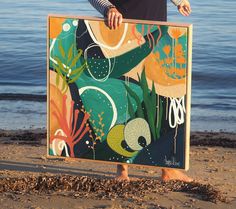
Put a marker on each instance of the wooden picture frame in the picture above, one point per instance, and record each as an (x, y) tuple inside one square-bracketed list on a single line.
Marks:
[(150, 64)]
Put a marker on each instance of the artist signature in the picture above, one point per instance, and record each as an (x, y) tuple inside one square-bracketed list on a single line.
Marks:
[(171, 162)]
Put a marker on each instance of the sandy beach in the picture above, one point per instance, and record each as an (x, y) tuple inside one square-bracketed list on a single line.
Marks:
[(28, 179)]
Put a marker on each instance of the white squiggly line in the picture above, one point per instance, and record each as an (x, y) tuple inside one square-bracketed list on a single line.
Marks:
[(177, 110)]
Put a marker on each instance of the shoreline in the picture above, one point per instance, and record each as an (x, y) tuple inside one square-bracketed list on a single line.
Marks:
[(197, 138)]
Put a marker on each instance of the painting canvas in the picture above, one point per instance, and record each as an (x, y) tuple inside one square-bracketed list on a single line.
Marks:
[(120, 96)]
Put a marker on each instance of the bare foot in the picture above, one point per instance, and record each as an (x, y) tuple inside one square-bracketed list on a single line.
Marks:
[(172, 174), (122, 173)]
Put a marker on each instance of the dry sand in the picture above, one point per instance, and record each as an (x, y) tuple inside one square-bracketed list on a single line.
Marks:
[(23, 157)]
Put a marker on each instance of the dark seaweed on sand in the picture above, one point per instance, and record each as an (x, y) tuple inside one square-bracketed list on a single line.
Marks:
[(84, 186)]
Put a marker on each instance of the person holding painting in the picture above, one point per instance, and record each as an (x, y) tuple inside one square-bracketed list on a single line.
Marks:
[(115, 11)]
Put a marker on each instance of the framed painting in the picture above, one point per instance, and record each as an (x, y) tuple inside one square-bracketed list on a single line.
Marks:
[(119, 96)]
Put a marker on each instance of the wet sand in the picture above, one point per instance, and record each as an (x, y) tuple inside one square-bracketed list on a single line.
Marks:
[(29, 180)]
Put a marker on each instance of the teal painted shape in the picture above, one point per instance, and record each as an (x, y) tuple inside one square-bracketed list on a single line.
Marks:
[(97, 102), (164, 40), (50, 151)]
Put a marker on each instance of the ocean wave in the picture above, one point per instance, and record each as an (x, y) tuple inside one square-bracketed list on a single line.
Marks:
[(23, 97), (215, 106)]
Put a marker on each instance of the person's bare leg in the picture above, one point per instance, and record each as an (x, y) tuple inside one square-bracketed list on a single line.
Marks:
[(172, 174), (122, 173)]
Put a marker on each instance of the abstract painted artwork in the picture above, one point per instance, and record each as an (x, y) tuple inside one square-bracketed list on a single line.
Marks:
[(120, 96)]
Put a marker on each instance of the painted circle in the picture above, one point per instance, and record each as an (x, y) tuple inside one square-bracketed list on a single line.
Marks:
[(75, 22), (135, 130), (115, 138), (66, 27)]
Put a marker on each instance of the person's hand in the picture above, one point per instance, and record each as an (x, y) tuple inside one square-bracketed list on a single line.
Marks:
[(114, 18), (184, 8)]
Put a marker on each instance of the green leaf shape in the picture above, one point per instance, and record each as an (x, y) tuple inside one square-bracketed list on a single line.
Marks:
[(77, 72), (160, 114), (70, 52), (76, 58), (59, 73), (148, 108), (149, 99), (76, 77), (61, 66), (62, 51), (63, 70), (130, 109), (79, 69), (137, 100)]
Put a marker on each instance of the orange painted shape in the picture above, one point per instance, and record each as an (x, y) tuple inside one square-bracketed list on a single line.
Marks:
[(111, 37), (55, 26), (176, 32), (156, 72)]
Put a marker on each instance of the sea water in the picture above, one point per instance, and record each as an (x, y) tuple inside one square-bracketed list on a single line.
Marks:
[(23, 61)]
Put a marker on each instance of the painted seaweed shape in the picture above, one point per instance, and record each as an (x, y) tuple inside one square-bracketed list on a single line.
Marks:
[(148, 108), (72, 134), (67, 68)]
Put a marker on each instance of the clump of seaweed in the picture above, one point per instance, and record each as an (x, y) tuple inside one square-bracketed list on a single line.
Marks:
[(148, 109), (206, 191), (83, 186)]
